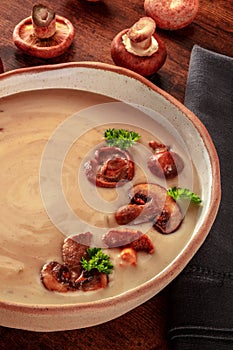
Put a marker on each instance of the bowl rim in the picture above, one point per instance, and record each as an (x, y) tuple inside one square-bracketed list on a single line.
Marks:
[(176, 266)]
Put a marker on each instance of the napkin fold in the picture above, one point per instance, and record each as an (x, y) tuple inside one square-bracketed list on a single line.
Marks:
[(201, 297)]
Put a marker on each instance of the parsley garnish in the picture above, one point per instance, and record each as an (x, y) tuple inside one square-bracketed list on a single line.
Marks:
[(121, 138), (97, 260), (183, 193)]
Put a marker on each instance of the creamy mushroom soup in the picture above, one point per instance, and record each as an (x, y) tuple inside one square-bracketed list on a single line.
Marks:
[(33, 227)]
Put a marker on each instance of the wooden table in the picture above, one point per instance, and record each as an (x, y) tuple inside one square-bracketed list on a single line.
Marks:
[(95, 25)]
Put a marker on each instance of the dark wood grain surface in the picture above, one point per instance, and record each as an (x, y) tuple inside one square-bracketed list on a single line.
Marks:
[(95, 26)]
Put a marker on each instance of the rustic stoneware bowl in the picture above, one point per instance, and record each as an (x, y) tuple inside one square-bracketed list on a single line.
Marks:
[(130, 88)]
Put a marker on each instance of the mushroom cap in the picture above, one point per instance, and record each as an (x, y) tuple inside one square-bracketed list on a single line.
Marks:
[(25, 39), (145, 65), (172, 14)]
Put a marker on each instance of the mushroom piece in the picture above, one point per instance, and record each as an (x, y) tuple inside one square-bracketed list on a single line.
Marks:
[(73, 250), (110, 167), (92, 280), (123, 238), (164, 163), (138, 48), (44, 34), (143, 244), (130, 242), (171, 14), (116, 238), (137, 213), (128, 256), (155, 205), (56, 277)]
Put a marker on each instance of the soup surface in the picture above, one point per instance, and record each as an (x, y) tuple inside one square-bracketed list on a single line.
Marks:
[(46, 138)]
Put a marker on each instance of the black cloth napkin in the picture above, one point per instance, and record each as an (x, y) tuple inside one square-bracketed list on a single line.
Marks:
[(201, 297)]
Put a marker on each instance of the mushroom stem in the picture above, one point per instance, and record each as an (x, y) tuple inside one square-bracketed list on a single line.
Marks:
[(139, 39), (44, 21), (142, 30), (143, 45)]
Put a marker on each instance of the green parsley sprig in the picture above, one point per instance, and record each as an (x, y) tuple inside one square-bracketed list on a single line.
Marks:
[(97, 260), (121, 138), (183, 193)]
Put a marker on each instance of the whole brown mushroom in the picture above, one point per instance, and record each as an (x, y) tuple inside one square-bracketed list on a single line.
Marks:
[(139, 49), (172, 14), (44, 34)]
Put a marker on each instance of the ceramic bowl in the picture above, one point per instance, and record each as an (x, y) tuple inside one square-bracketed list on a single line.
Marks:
[(131, 89)]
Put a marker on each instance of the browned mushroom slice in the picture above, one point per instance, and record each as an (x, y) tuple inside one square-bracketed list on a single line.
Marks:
[(158, 207), (56, 277), (128, 213), (170, 217), (74, 248), (136, 214), (164, 163), (144, 244), (92, 280), (119, 238), (111, 167)]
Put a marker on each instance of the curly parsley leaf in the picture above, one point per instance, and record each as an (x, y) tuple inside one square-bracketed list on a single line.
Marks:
[(121, 138), (97, 260), (183, 193)]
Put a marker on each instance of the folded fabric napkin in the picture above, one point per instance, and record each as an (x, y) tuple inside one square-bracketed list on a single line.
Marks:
[(201, 297)]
